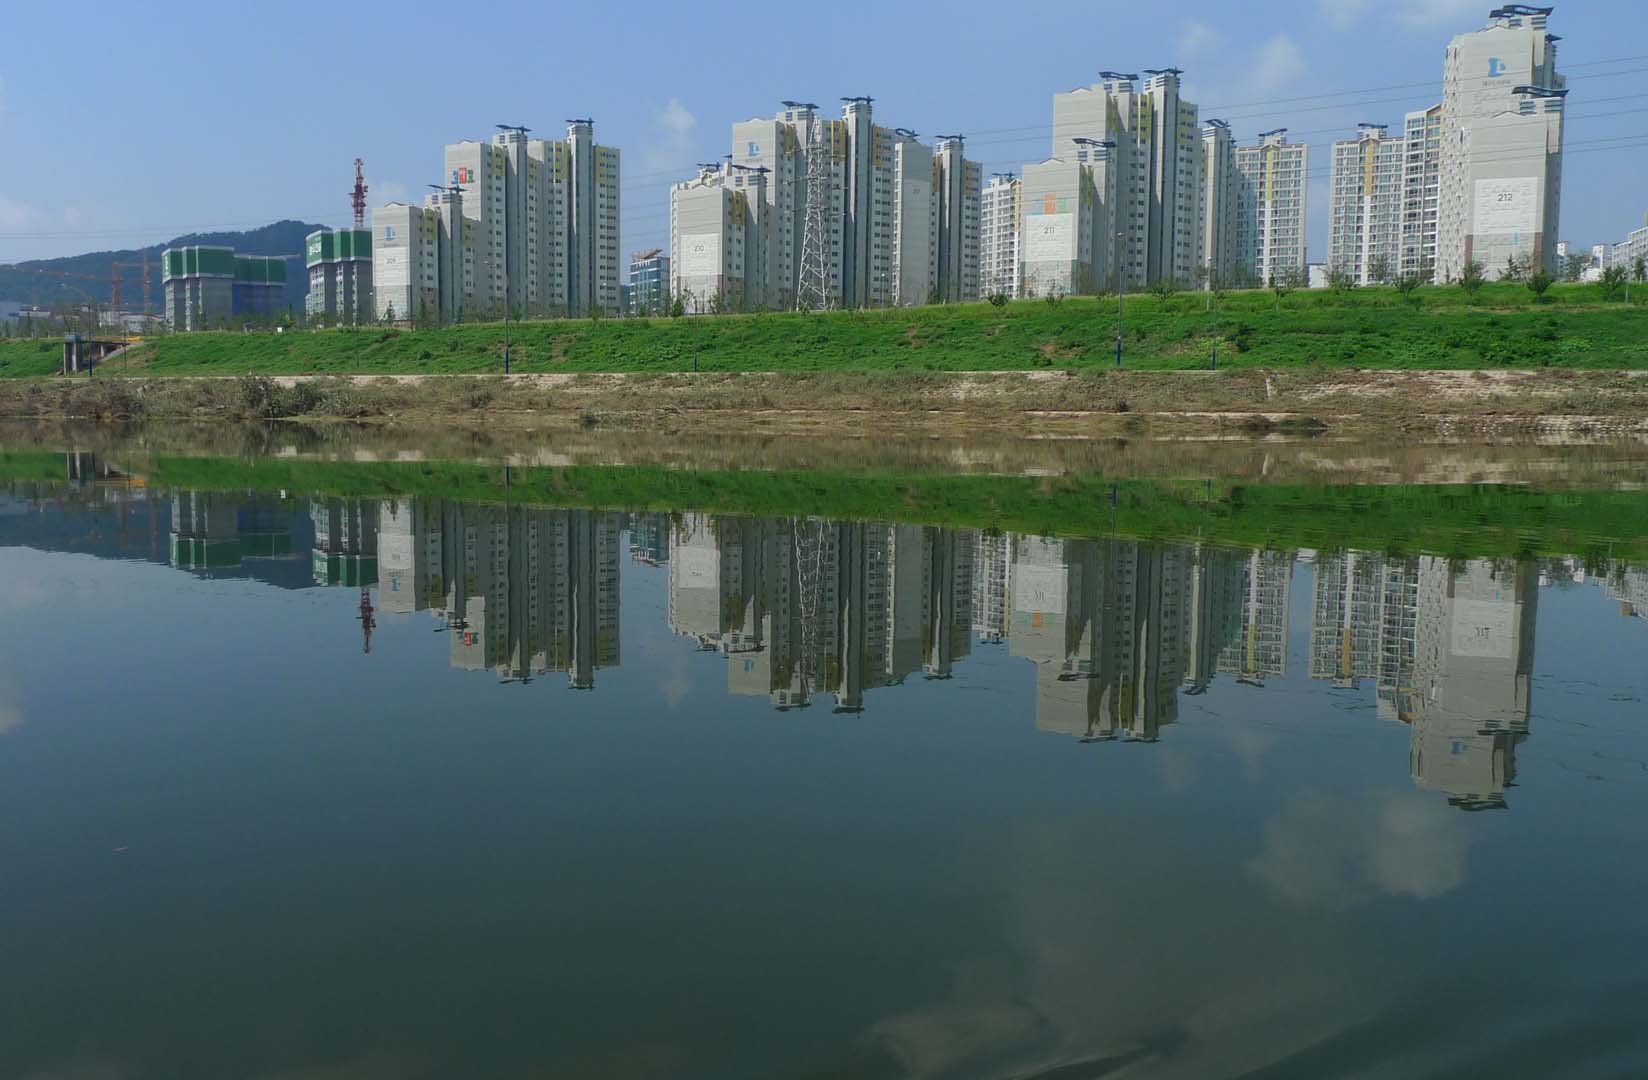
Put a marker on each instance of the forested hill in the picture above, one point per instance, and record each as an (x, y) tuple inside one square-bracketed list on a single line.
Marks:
[(92, 271)]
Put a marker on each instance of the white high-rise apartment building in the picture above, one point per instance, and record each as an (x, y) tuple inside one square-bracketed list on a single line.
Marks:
[(1501, 146), (721, 239), (1421, 188), (1365, 215), (1627, 252), (889, 205), (999, 236), (479, 170), (405, 263), (546, 216), (1157, 158), (956, 186), (1069, 238), (1217, 208), (1270, 207)]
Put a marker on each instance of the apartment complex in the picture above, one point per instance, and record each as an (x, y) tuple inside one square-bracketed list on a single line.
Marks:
[(999, 236), (721, 240), (339, 262), (894, 221), (1365, 206), (207, 287), (541, 239), (1501, 146), (1270, 208), (1152, 145)]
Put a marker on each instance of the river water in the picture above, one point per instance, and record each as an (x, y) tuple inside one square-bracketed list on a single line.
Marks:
[(395, 783)]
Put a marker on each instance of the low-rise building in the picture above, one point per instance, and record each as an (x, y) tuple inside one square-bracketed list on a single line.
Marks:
[(649, 283)]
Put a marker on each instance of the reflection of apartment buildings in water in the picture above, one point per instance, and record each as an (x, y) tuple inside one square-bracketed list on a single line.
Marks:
[(522, 591), (992, 561), (346, 541), (805, 606), (1472, 670), (1214, 612), (1363, 625), (649, 532), (1260, 649), (1108, 626), (213, 530), (1629, 585)]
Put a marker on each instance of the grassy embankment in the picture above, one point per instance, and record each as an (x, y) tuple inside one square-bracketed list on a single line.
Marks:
[(1452, 520), (1503, 326)]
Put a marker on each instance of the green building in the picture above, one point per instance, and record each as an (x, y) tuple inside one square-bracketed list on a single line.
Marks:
[(210, 287), (340, 275)]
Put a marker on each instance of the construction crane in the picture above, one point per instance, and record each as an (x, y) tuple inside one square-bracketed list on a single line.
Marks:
[(113, 281), (357, 197)]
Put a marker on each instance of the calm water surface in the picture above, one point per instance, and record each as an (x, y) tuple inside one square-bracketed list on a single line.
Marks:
[(364, 788)]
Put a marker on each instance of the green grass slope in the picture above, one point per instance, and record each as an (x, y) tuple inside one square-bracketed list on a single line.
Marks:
[(1503, 326)]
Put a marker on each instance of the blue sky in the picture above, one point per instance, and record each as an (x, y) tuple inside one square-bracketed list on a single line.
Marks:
[(227, 115)]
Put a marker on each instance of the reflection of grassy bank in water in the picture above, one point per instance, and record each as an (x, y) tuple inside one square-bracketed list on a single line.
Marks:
[(1373, 328), (27, 466), (1465, 520)]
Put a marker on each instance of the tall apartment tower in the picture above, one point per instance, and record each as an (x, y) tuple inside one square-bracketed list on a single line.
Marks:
[(1421, 188), (1217, 208), (406, 243), (1501, 145), (779, 146), (1157, 158), (957, 184), (460, 263), (592, 195), (720, 239), (915, 224), (1270, 207), (339, 262), (480, 171), (1365, 216), (999, 236)]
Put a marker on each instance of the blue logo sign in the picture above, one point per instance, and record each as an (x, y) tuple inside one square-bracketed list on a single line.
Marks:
[(1496, 67), (389, 232)]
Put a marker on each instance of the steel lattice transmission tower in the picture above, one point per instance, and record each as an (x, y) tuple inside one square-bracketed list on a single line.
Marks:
[(812, 291)]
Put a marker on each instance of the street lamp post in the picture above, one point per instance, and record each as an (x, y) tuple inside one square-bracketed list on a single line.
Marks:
[(1121, 291)]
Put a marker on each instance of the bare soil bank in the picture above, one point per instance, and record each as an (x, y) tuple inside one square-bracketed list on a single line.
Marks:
[(1553, 405)]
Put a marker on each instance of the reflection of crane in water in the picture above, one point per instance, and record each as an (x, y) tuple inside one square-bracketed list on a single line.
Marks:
[(367, 621)]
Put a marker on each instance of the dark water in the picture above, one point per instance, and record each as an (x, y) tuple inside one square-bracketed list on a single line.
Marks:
[(355, 788)]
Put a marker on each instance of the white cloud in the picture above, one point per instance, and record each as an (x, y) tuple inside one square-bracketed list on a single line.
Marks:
[(674, 140), (1419, 14), (1322, 853), (1280, 63), (16, 216), (1197, 39)]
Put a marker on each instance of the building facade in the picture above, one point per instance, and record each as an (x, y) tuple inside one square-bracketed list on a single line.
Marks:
[(720, 240), (1421, 191), (999, 236), (339, 262), (1270, 208), (1501, 146), (649, 283), (957, 185), (406, 264), (544, 223), (207, 287), (1365, 206), (1217, 208)]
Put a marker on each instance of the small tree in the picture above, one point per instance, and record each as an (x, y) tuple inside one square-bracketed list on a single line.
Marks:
[(1574, 265), (933, 296), (1613, 278), (1537, 283), (1470, 278), (1282, 283), (1407, 285), (1341, 280), (1379, 270), (998, 300), (1515, 269), (1164, 288)]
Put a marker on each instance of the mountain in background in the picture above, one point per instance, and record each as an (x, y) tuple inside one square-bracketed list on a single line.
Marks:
[(91, 273)]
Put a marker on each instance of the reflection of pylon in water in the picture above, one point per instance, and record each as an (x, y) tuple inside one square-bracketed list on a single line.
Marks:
[(809, 559), (367, 622)]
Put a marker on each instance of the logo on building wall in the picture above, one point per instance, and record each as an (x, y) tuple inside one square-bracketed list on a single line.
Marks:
[(463, 175), (755, 150), (389, 232), (1496, 67)]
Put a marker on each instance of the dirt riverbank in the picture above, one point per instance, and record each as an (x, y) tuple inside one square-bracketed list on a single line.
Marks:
[(1559, 406)]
